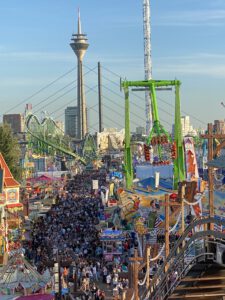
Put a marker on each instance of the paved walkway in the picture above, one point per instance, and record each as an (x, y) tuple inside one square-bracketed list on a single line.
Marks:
[(108, 290)]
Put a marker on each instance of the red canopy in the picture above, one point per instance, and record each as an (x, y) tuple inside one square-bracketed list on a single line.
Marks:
[(37, 297), (14, 205), (173, 196), (40, 178), (9, 180)]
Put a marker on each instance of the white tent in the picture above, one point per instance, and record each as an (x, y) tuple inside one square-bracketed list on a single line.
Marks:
[(18, 272)]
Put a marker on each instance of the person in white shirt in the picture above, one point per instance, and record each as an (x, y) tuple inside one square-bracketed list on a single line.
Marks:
[(108, 279), (115, 279), (95, 274), (105, 272)]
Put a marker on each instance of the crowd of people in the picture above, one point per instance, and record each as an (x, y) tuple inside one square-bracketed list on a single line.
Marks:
[(70, 233)]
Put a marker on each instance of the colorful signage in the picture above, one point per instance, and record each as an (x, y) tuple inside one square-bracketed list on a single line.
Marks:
[(116, 174), (108, 257), (29, 164), (95, 184), (190, 158), (2, 198), (12, 195)]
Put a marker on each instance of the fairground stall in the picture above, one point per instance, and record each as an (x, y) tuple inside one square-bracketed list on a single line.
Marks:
[(19, 278), (9, 208), (112, 244)]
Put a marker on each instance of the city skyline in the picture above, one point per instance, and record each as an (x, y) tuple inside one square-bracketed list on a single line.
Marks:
[(186, 44)]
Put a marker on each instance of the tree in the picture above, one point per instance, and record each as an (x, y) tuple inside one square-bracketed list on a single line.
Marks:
[(10, 149)]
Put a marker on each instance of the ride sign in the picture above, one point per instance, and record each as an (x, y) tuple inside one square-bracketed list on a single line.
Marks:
[(95, 184)]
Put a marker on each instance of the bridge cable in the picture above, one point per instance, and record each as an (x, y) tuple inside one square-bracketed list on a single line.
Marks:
[(57, 98), (60, 115), (45, 99), (40, 90), (73, 100), (130, 100), (119, 114)]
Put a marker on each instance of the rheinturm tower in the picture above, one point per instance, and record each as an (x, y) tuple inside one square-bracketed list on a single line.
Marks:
[(79, 45)]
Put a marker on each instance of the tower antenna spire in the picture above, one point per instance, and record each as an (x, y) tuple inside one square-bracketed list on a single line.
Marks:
[(79, 22), (79, 44)]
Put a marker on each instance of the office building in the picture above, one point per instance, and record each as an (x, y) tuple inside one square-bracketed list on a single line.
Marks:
[(186, 127), (16, 122), (71, 121), (140, 130), (219, 126)]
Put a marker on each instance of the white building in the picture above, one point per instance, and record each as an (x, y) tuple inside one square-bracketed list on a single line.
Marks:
[(187, 128), (185, 124), (110, 139)]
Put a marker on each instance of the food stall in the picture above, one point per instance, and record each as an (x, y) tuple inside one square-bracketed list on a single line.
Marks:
[(112, 243), (9, 207)]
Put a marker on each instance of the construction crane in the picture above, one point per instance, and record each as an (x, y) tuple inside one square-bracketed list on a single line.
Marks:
[(147, 63)]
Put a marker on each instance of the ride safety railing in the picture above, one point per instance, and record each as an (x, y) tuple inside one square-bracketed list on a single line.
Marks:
[(182, 257)]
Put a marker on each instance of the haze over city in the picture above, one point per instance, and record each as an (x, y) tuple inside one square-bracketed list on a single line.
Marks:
[(187, 44)]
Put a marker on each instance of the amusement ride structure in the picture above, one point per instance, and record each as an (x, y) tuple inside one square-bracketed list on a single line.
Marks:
[(158, 136), (190, 262), (203, 244), (46, 137), (147, 62)]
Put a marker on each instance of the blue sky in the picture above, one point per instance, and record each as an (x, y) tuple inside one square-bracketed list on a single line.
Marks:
[(187, 43)]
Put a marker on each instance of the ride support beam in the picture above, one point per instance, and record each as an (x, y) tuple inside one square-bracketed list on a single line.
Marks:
[(128, 155), (208, 278), (200, 287), (135, 261), (157, 83), (210, 136), (179, 164), (148, 251), (155, 114), (167, 228), (182, 210), (210, 174)]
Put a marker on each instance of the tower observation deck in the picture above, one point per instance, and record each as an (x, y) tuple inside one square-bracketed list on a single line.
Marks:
[(79, 45)]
